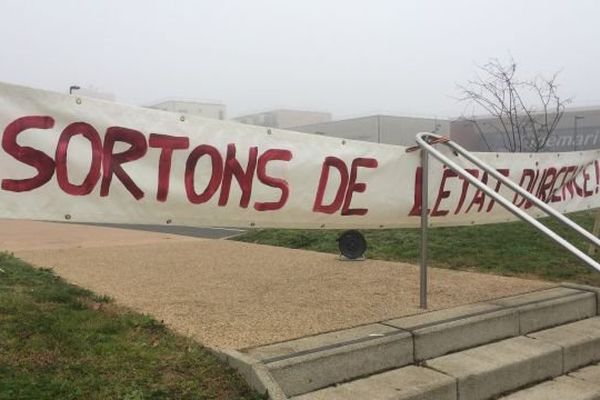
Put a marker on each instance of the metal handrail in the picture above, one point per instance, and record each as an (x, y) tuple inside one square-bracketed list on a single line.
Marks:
[(428, 148)]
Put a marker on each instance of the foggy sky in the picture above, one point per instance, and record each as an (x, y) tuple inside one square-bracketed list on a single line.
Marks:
[(351, 58)]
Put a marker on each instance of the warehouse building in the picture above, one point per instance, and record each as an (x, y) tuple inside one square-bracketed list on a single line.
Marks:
[(379, 128), (578, 129), (284, 119), (202, 109)]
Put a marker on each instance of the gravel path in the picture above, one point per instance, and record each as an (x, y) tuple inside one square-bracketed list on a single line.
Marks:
[(234, 295)]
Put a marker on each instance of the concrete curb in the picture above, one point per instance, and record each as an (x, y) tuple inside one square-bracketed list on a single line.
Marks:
[(305, 373), (441, 332), (587, 288), (552, 307), (254, 372)]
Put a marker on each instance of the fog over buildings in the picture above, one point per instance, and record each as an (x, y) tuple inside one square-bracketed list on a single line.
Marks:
[(338, 60)]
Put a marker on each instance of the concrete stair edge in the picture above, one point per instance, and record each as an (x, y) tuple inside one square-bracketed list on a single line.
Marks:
[(582, 384), (515, 314), (485, 372)]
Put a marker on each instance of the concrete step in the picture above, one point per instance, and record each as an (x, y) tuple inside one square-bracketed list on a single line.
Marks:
[(583, 384), (552, 307), (496, 368), (490, 370), (493, 369), (311, 363), (580, 342), (400, 384), (306, 364)]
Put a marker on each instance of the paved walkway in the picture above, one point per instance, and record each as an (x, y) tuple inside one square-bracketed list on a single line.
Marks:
[(235, 295), (208, 233)]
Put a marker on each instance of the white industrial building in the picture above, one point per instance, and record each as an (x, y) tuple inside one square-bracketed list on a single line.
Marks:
[(379, 128), (284, 119), (202, 109), (375, 128), (578, 129)]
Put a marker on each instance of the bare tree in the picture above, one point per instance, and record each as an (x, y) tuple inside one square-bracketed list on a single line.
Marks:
[(525, 112)]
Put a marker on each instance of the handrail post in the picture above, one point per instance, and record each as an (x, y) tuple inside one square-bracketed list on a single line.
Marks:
[(595, 230), (424, 216)]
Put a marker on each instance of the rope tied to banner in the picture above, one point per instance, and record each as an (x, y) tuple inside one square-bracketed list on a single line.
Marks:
[(435, 140)]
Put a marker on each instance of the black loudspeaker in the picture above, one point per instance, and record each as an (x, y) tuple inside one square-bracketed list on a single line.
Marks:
[(352, 244)]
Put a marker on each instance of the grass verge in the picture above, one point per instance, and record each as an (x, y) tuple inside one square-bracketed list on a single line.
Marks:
[(58, 341), (512, 249)]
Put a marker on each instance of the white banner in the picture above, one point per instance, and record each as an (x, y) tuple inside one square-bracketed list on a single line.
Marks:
[(69, 158)]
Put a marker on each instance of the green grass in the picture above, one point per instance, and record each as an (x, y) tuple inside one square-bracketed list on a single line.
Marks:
[(58, 341), (513, 249)]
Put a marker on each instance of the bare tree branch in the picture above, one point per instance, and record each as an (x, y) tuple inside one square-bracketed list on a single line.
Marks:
[(526, 112)]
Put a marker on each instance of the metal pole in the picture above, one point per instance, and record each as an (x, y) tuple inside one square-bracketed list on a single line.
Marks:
[(595, 230), (424, 216)]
